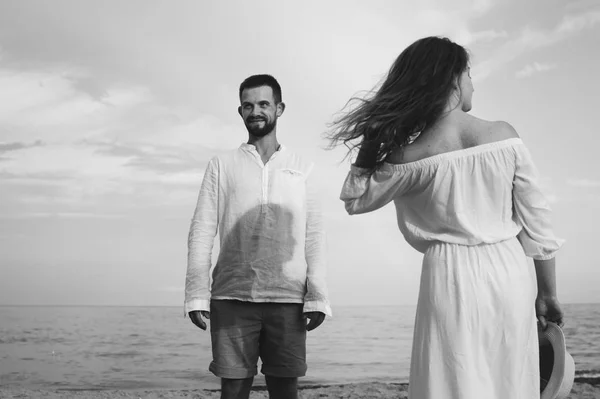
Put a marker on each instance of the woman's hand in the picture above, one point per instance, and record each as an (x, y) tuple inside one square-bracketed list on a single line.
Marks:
[(547, 308), (367, 155)]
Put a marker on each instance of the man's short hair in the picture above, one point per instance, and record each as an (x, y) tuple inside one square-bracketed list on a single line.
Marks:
[(262, 80)]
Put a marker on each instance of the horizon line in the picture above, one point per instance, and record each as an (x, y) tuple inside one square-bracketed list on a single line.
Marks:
[(178, 306)]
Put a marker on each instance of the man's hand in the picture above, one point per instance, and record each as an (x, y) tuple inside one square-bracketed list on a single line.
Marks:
[(548, 309), (315, 319), (196, 318)]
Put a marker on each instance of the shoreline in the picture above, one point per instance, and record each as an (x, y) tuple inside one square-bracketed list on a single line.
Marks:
[(584, 388)]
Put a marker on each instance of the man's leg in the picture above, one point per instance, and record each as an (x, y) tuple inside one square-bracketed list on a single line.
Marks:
[(236, 389), (283, 349), (235, 332), (282, 387)]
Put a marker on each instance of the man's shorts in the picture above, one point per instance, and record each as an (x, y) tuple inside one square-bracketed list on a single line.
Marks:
[(243, 331)]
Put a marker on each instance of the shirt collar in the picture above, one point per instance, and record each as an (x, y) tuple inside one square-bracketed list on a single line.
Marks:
[(252, 147)]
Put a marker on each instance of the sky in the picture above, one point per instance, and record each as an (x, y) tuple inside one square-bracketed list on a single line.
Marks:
[(110, 111)]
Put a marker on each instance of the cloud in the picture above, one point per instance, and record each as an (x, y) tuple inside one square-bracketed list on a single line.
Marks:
[(584, 183), (581, 4), (468, 38), (63, 215), (531, 39), (481, 7), (161, 159), (116, 149), (549, 188), (53, 102), (536, 67), (66, 159), (201, 130), (85, 162), (47, 94), (577, 23), (489, 35), (82, 175), (40, 177), (14, 146)]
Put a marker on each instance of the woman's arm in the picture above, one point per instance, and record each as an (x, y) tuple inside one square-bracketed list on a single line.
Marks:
[(547, 307), (367, 155), (545, 271)]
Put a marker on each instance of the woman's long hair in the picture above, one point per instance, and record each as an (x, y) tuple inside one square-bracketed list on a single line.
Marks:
[(412, 98)]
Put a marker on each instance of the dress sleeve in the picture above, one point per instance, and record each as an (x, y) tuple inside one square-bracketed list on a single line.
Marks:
[(363, 193), (532, 210)]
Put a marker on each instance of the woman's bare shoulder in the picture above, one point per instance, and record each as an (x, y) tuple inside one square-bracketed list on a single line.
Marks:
[(503, 130), (490, 131)]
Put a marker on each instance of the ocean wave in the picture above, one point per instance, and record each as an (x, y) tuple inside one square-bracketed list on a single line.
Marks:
[(587, 374), (12, 340), (119, 354), (28, 337), (591, 377)]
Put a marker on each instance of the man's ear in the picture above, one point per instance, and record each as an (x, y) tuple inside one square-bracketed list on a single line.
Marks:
[(280, 108), (240, 111)]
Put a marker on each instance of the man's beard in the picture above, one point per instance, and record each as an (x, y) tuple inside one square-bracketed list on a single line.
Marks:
[(258, 131)]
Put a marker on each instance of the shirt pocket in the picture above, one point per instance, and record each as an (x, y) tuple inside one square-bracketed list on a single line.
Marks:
[(288, 188)]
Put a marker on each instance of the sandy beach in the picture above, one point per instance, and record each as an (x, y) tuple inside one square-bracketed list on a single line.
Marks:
[(581, 390)]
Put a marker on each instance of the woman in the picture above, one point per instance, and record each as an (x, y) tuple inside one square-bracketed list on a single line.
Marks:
[(467, 197)]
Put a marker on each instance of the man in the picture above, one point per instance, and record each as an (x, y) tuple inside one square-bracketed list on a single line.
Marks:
[(269, 278)]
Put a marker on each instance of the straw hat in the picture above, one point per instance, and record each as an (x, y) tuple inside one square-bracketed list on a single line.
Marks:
[(557, 368)]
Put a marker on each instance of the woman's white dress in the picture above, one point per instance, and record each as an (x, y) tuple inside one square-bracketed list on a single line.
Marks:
[(475, 214)]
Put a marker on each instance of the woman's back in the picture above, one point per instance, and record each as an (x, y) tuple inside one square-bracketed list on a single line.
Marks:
[(457, 133)]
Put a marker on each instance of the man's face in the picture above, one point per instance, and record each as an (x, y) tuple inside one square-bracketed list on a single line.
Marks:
[(259, 110)]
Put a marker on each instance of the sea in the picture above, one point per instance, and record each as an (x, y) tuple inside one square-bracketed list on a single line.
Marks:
[(80, 347)]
